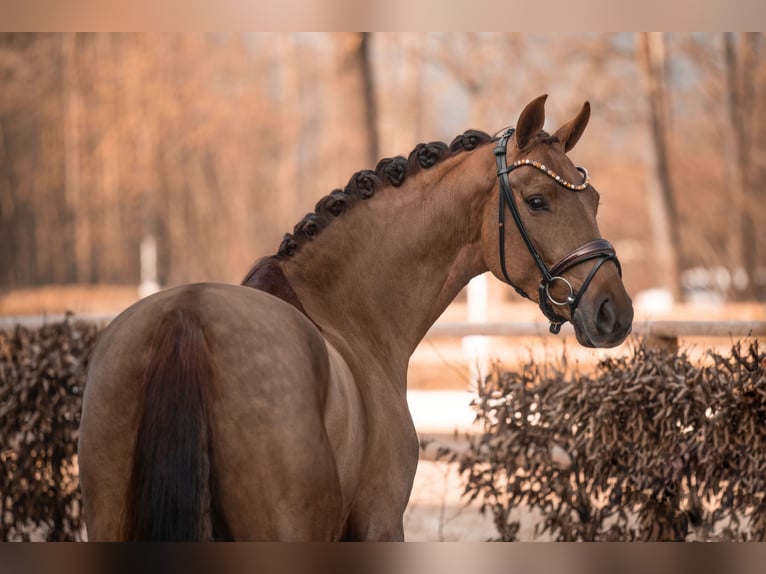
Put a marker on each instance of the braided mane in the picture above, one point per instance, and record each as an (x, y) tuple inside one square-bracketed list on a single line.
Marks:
[(364, 184), (267, 274)]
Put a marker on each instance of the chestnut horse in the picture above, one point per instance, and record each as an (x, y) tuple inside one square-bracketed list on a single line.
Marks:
[(277, 410)]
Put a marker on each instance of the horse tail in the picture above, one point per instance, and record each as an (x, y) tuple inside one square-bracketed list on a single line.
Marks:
[(169, 496)]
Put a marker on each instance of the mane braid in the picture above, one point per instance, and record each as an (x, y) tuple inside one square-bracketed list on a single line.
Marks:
[(392, 171)]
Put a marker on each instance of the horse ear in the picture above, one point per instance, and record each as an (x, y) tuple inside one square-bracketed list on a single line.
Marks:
[(571, 131), (530, 121)]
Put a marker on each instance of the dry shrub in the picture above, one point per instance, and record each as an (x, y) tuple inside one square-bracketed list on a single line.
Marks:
[(648, 447), (42, 374)]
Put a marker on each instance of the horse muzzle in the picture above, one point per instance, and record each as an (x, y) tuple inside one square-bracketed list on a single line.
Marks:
[(603, 319)]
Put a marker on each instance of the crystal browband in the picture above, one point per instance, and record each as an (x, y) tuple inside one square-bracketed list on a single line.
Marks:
[(548, 171)]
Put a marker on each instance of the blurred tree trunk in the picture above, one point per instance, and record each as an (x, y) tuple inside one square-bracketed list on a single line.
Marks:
[(108, 237), (662, 208), (354, 71), (9, 220), (368, 98), (75, 225), (351, 111), (739, 58), (23, 81), (410, 132), (143, 101), (291, 124)]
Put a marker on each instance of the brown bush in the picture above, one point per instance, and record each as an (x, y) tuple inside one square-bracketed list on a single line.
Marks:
[(42, 374), (648, 447)]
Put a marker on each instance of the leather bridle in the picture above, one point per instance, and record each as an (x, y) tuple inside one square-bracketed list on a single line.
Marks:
[(599, 249)]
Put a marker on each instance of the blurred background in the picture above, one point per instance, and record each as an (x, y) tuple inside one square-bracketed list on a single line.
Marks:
[(201, 151), (132, 162)]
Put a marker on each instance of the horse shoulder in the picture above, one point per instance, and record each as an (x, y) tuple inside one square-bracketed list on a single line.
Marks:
[(345, 421)]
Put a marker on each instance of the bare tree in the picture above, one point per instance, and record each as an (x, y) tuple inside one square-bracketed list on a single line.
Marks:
[(663, 212), (364, 63), (218, 143), (351, 111), (79, 227), (740, 60), (291, 121)]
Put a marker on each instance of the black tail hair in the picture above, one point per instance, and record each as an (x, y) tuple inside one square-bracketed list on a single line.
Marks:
[(169, 497)]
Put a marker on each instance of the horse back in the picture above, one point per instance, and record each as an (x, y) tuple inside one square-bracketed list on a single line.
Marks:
[(263, 404)]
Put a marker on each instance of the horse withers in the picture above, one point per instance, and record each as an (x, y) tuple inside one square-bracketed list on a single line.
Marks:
[(276, 410)]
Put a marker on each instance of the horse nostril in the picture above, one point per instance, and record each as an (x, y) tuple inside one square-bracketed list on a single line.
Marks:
[(606, 317)]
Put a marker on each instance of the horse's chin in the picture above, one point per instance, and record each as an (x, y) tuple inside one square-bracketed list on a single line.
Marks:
[(589, 336)]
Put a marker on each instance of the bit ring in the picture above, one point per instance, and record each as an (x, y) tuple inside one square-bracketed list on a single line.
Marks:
[(570, 298)]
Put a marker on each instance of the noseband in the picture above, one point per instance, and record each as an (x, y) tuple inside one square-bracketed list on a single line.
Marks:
[(599, 249)]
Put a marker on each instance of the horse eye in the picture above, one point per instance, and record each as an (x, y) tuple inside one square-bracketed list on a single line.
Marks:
[(536, 203)]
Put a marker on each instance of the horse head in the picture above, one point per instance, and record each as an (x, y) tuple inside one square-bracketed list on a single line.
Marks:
[(540, 233)]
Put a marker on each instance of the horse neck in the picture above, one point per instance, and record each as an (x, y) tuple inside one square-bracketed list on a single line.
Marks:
[(382, 273)]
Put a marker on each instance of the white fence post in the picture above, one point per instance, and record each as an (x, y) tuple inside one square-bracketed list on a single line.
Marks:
[(476, 347), (148, 256)]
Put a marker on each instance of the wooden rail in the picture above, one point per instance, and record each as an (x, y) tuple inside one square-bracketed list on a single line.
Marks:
[(36, 321), (645, 329), (663, 332), (660, 334)]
